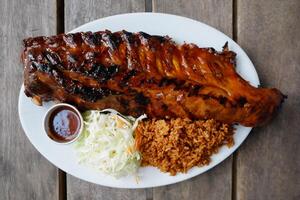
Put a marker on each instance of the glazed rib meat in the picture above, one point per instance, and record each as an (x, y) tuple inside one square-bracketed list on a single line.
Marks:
[(137, 73)]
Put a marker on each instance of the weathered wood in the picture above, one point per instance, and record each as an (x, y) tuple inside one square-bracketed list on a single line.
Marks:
[(268, 164), (216, 184), (77, 13), (24, 173), (216, 13), (78, 189)]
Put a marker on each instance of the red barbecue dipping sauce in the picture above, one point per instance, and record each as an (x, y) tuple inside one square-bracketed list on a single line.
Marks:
[(63, 124)]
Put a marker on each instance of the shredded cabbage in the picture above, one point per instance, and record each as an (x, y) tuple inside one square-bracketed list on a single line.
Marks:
[(107, 143)]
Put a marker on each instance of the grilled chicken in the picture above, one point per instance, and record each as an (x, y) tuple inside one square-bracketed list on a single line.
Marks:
[(137, 73)]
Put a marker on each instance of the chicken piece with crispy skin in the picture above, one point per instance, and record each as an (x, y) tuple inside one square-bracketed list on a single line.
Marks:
[(137, 73)]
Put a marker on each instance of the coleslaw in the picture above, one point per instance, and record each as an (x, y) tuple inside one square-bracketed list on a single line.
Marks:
[(107, 142)]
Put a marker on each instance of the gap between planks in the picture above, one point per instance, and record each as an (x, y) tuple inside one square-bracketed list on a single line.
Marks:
[(60, 16), (62, 185), (60, 28), (149, 8), (235, 155)]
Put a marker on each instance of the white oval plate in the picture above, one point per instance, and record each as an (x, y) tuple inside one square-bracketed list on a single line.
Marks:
[(181, 30)]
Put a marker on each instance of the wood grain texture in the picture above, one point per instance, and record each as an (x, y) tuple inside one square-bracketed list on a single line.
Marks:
[(216, 13), (76, 13), (268, 164), (24, 173), (215, 184), (79, 12)]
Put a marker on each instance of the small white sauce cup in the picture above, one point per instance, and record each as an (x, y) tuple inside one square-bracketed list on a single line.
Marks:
[(46, 124)]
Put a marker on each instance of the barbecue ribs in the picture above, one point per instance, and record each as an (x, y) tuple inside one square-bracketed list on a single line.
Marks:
[(137, 73)]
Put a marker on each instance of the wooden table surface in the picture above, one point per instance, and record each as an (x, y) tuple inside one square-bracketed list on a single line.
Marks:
[(266, 166)]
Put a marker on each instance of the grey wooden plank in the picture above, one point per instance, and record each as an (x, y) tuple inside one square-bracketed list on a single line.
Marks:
[(24, 173), (268, 164), (216, 13), (78, 189), (77, 13), (215, 184)]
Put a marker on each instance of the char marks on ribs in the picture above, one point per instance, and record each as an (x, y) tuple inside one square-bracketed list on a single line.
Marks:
[(137, 73)]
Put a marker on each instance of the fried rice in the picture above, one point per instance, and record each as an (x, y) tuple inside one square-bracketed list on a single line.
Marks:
[(176, 145)]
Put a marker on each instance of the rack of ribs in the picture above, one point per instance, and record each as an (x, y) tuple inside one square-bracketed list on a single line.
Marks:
[(137, 73)]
